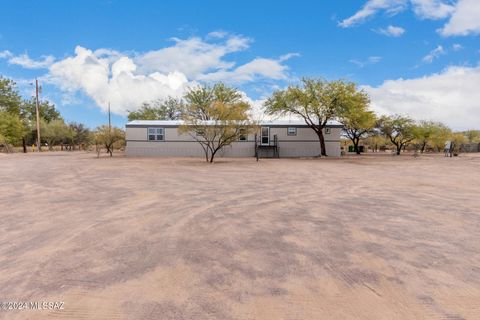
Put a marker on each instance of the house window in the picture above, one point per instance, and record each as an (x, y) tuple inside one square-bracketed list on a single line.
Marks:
[(243, 135), (291, 131), (328, 131), (156, 134)]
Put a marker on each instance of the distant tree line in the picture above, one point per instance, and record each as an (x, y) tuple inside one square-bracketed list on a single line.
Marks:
[(215, 116), (18, 125)]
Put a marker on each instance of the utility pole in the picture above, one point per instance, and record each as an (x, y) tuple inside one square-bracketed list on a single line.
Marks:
[(38, 116)]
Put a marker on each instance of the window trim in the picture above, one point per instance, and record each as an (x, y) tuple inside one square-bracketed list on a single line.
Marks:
[(156, 134), (243, 136), (293, 133), (264, 136)]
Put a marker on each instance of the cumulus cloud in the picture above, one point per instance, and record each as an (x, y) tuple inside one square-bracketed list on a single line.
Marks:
[(463, 15), (432, 9), (107, 79), (257, 68), (450, 96), (434, 54), (193, 56), (465, 19), (391, 31), (26, 62), (127, 80)]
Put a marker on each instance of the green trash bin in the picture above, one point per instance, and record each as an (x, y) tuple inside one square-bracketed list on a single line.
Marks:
[(352, 149)]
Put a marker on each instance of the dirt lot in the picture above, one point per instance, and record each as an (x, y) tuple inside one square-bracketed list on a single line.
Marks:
[(145, 238)]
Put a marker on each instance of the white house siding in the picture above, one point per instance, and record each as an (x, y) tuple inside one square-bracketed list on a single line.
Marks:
[(304, 144)]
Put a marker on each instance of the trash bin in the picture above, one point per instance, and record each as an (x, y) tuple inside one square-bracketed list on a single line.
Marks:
[(352, 149)]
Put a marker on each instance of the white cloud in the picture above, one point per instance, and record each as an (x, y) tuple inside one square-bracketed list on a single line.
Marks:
[(127, 80), (217, 34), (192, 56), (432, 9), (450, 96), (114, 81), (391, 31), (5, 54), (465, 19), (369, 61), (457, 47), (288, 56), (257, 68), (463, 15), (26, 62), (434, 54), (371, 7)]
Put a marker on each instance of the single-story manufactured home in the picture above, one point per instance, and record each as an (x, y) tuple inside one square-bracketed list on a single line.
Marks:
[(275, 138)]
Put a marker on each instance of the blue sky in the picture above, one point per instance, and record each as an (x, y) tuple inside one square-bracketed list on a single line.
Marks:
[(417, 57)]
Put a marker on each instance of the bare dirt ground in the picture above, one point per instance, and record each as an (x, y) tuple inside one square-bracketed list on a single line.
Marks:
[(374, 237)]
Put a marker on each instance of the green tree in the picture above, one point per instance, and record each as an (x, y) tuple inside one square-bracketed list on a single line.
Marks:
[(376, 141), (12, 129), (315, 101), (108, 137), (10, 100), (426, 132), (55, 132), (80, 134), (473, 136), (398, 129), (46, 110), (168, 109), (215, 117), (440, 135), (357, 120), (458, 139)]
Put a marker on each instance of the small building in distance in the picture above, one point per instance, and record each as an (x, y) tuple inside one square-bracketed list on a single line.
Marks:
[(273, 138)]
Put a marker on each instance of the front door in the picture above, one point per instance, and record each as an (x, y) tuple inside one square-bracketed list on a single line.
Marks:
[(265, 136)]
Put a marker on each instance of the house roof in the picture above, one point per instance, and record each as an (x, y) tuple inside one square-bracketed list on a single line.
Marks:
[(176, 123)]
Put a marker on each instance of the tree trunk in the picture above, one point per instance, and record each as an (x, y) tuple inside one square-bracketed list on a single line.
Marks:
[(109, 149), (205, 150), (24, 144), (399, 149), (206, 154), (356, 141), (323, 152), (213, 154), (423, 147)]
